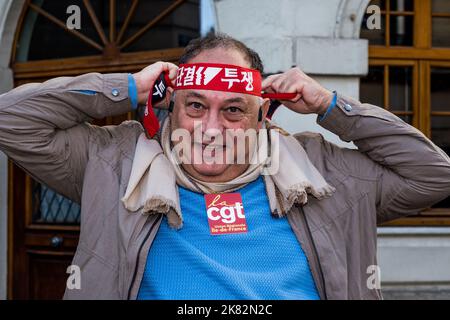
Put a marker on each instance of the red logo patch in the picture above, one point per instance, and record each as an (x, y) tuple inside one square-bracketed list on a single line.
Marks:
[(225, 213)]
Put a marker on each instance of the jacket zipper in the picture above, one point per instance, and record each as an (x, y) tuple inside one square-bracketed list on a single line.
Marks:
[(314, 250), (139, 255)]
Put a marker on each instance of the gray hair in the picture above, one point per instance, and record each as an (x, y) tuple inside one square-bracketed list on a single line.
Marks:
[(221, 40)]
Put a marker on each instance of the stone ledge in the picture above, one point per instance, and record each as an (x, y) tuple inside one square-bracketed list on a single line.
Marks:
[(414, 255), (318, 56), (330, 56), (410, 231)]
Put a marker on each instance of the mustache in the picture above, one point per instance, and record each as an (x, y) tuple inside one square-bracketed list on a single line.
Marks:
[(209, 145)]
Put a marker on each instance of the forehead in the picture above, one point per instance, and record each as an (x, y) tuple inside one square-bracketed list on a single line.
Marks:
[(218, 96), (221, 55)]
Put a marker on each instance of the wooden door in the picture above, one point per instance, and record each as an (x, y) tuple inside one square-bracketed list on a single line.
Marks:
[(115, 36)]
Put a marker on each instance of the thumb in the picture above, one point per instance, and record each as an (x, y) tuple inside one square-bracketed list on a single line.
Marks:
[(171, 69), (300, 106)]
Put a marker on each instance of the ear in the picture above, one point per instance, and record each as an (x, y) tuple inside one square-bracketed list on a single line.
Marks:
[(264, 108), (164, 103), (169, 94)]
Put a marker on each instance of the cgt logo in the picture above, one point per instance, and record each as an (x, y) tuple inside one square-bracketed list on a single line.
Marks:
[(225, 213)]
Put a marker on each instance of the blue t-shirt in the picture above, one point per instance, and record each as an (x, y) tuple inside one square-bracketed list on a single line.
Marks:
[(267, 262)]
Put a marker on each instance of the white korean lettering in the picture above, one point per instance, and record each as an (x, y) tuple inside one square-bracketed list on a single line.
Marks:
[(248, 77), (231, 76)]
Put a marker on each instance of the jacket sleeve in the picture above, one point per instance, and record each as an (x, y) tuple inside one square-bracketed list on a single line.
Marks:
[(411, 172), (44, 129)]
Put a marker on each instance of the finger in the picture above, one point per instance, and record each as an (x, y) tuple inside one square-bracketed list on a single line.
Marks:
[(287, 86), (296, 98), (162, 66), (269, 90), (165, 66), (297, 95), (295, 86), (172, 69), (299, 105), (152, 72), (297, 69), (267, 82), (293, 82), (276, 84)]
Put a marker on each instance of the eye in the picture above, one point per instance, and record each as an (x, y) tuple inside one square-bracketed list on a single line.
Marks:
[(233, 110), (195, 105), (233, 113), (195, 109)]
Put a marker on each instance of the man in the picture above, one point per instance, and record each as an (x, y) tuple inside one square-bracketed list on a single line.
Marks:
[(155, 227)]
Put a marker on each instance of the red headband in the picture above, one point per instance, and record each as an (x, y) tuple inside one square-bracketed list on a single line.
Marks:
[(208, 76), (218, 77)]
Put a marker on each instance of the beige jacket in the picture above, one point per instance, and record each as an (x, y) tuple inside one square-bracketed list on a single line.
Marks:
[(396, 171)]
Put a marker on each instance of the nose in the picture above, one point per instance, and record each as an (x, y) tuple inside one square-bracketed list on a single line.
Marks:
[(212, 126)]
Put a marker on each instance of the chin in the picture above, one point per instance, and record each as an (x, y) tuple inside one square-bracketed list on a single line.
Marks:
[(209, 170)]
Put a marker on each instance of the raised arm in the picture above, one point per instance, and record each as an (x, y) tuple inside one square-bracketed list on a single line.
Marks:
[(412, 172), (44, 129)]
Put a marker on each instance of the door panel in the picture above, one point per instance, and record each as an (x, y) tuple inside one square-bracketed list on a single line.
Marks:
[(48, 275)]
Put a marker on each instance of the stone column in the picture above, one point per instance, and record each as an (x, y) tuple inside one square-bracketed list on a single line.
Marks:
[(9, 15)]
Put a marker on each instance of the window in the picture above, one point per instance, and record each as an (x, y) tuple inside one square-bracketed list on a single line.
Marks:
[(440, 13), (106, 27), (397, 17), (390, 84), (409, 75)]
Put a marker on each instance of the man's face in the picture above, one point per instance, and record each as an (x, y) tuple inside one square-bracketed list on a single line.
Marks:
[(216, 112)]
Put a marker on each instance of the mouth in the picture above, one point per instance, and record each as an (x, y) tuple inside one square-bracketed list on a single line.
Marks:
[(210, 146)]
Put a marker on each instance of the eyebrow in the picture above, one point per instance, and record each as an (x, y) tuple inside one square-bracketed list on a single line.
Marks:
[(193, 94)]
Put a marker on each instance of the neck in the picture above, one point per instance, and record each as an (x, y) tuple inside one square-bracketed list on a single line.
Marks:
[(229, 174)]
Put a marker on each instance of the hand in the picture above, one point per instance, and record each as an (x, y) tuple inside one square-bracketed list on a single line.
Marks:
[(311, 96), (147, 77)]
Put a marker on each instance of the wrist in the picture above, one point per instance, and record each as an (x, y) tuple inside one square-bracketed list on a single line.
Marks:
[(327, 100), (330, 107), (142, 90)]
